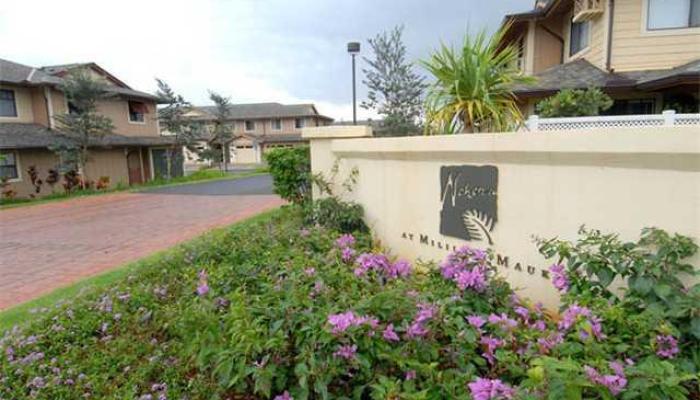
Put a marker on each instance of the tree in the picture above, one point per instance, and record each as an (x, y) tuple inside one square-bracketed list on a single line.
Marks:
[(172, 119), (574, 103), (82, 122), (222, 133), (395, 91), (473, 88)]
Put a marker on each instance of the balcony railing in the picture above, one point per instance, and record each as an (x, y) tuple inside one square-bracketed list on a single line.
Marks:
[(667, 118), (587, 9)]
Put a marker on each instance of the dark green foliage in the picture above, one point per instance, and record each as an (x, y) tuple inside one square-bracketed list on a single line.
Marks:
[(335, 214), (651, 268), (395, 92), (574, 103), (172, 120), (83, 123), (291, 173), (262, 329)]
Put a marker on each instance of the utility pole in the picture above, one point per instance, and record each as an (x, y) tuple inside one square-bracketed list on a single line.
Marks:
[(353, 49)]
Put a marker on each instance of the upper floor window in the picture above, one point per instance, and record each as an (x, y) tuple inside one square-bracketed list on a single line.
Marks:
[(250, 125), (137, 111), (8, 107), (673, 14), (579, 37), (299, 123), (8, 166), (276, 124)]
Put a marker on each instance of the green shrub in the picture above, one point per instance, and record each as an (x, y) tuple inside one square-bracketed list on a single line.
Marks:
[(335, 214), (574, 103), (291, 173), (275, 306)]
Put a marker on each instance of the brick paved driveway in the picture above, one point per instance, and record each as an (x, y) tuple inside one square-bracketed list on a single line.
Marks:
[(47, 246)]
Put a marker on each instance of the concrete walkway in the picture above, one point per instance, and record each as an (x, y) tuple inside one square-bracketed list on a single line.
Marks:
[(47, 246)]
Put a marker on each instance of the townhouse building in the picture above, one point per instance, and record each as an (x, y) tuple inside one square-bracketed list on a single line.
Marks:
[(257, 128), (30, 101), (644, 53)]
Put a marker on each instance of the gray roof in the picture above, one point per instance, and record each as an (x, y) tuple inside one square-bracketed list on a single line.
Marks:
[(581, 74), (25, 136), (264, 110), (20, 74)]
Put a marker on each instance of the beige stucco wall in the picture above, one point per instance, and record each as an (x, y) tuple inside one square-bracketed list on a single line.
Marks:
[(118, 111), (549, 184), (111, 162), (636, 48)]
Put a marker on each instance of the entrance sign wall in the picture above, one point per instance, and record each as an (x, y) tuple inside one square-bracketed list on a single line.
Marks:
[(425, 196)]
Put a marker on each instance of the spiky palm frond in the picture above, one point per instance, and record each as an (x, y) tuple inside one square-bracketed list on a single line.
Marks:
[(473, 88)]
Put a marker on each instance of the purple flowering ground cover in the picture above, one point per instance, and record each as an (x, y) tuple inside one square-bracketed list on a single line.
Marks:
[(274, 309)]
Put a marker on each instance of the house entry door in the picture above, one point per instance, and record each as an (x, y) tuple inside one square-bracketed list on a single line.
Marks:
[(133, 163)]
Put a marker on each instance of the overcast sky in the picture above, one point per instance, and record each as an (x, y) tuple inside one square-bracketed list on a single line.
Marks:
[(252, 50)]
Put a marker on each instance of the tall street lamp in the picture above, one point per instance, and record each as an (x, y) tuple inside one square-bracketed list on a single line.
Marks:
[(353, 48)]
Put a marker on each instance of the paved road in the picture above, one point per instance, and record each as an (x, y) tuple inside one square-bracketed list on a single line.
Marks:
[(261, 184), (50, 245)]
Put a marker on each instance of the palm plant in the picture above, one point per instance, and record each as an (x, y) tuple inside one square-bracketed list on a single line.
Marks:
[(472, 91)]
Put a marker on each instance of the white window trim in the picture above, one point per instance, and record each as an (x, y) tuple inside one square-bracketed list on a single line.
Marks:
[(14, 96), (17, 165), (128, 115), (245, 125), (644, 29), (272, 126), (584, 50)]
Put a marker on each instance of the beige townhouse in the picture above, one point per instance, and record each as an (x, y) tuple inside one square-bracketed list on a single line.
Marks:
[(257, 128), (30, 100), (644, 53)]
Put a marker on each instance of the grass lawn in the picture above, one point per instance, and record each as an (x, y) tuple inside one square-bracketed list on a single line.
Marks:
[(198, 176)]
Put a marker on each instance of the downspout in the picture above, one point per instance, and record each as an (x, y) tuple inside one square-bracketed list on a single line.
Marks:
[(559, 39), (611, 12), (49, 106)]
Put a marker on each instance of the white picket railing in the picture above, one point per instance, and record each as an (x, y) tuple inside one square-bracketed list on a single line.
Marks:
[(667, 118)]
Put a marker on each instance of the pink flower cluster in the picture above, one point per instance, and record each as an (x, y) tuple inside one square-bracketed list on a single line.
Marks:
[(467, 267), (203, 287), (347, 352), (559, 278), (341, 322), (425, 313), (345, 243), (577, 316), (615, 382), (380, 263), (666, 346), (490, 389)]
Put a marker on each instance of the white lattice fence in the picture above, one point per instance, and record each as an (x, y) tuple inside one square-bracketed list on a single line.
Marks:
[(667, 118)]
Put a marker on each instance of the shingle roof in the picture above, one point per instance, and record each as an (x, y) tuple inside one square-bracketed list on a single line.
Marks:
[(581, 74), (263, 110), (25, 136), (20, 74)]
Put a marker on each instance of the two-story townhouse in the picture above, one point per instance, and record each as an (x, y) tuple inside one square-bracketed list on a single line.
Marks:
[(644, 53), (258, 128), (30, 100)]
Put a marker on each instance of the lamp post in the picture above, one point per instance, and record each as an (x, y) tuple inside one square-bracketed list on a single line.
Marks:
[(353, 48)]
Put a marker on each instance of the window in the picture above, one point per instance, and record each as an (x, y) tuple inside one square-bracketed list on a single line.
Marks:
[(673, 14), (579, 37), (631, 107), (276, 124), (8, 166), (520, 46), (8, 107), (72, 108), (137, 111), (298, 123), (250, 125)]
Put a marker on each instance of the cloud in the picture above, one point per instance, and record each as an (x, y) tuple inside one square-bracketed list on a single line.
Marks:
[(251, 50)]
